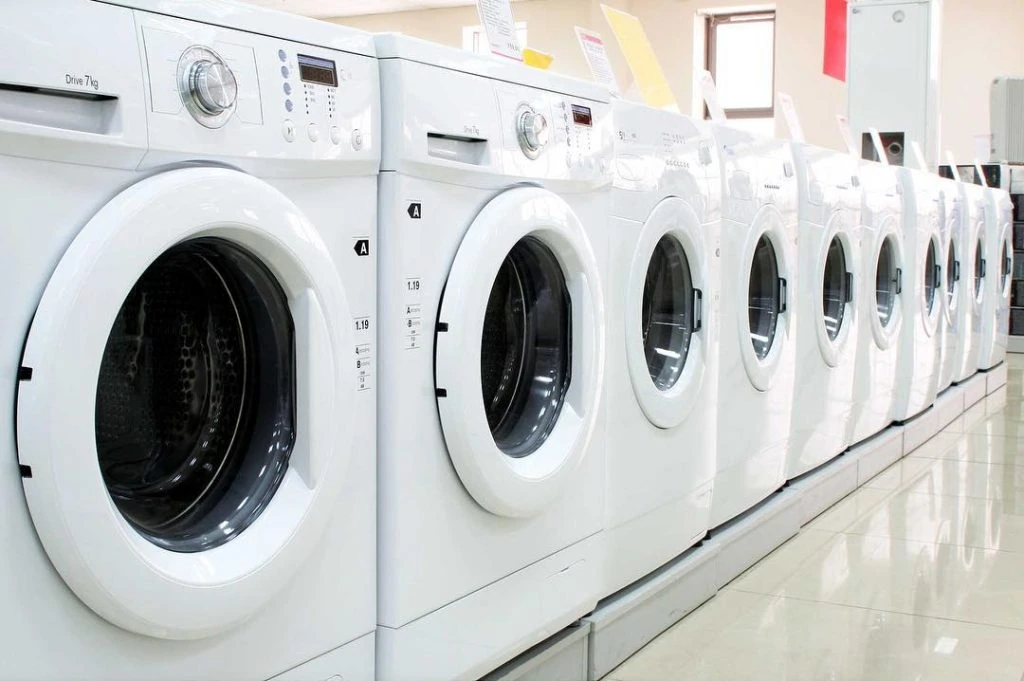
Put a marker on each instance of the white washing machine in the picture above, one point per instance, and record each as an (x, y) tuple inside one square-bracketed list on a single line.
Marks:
[(950, 335), (919, 350), (662, 375), (827, 312), (195, 452), (882, 309), (491, 473), (995, 314), (973, 270), (757, 361)]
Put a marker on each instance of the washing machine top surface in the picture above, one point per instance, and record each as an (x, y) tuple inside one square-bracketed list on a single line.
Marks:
[(251, 19), (399, 46), (660, 154)]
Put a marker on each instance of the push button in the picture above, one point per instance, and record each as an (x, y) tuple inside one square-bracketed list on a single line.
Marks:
[(288, 130), (357, 139), (313, 131), (335, 135)]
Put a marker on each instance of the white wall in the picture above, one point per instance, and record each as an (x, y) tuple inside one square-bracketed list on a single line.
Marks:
[(982, 39)]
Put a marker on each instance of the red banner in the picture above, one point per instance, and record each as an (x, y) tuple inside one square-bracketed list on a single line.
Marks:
[(835, 39)]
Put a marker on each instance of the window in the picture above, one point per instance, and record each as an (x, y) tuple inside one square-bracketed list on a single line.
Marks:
[(740, 54), (474, 39)]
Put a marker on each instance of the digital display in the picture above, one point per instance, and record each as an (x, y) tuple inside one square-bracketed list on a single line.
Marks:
[(581, 115), (317, 70)]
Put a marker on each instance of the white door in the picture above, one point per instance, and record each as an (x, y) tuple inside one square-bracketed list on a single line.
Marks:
[(835, 303), (184, 409), (887, 258), (764, 274), (664, 313), (520, 351)]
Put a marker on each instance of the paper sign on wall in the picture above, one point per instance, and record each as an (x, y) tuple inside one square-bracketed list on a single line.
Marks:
[(709, 91), (951, 160), (847, 135), (500, 27), (876, 140), (796, 131), (981, 173), (597, 58), (919, 156), (632, 39), (537, 59)]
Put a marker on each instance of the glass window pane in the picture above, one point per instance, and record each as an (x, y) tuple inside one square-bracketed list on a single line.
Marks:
[(744, 64)]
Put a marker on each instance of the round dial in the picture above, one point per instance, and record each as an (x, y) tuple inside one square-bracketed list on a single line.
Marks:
[(532, 129), (207, 86)]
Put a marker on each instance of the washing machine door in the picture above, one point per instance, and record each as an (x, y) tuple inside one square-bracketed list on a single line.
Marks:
[(664, 321), (887, 311), (763, 325), (980, 274), (931, 286), (520, 351), (952, 281), (835, 305), (184, 405)]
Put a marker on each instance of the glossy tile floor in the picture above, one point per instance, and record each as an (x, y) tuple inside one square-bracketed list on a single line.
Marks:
[(917, 575)]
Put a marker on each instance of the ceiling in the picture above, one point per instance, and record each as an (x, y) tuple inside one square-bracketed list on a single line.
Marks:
[(347, 8)]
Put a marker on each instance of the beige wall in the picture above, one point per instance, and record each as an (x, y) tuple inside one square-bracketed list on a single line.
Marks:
[(981, 40)]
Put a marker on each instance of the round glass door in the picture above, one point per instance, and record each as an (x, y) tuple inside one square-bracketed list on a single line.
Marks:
[(834, 289), (979, 269), (1006, 264), (666, 315), (525, 356), (931, 276), (763, 297), (952, 276), (195, 407), (887, 284)]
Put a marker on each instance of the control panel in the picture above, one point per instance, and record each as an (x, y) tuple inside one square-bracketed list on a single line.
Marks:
[(218, 91), (655, 148)]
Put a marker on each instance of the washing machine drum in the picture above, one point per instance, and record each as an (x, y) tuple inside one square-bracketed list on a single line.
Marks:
[(518, 362), (183, 422)]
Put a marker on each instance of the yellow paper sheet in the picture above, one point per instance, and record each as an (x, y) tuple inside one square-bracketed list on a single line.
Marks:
[(537, 59), (644, 64)]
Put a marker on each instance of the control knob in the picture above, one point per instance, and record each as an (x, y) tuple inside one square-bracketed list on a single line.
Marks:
[(207, 86), (533, 131)]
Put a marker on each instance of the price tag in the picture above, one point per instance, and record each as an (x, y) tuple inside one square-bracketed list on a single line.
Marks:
[(597, 58), (876, 140), (796, 131), (500, 27), (847, 135), (642, 60), (919, 156), (710, 94), (951, 160)]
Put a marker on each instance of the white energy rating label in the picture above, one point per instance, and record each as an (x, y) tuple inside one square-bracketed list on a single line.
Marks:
[(364, 367), (412, 315)]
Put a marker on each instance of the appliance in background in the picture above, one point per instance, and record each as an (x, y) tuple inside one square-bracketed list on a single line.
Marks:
[(1006, 115), (828, 317), (882, 309), (919, 343), (950, 336), (662, 294), (183, 319), (995, 312), (893, 49), (757, 360), (493, 203)]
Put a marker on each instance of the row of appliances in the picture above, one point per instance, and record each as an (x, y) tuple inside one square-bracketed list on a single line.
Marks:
[(335, 356)]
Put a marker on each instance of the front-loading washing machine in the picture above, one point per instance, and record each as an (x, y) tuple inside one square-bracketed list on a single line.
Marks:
[(662, 341), (995, 313), (757, 360), (882, 309), (828, 251), (974, 271), (190, 488), (493, 202), (951, 222), (919, 358)]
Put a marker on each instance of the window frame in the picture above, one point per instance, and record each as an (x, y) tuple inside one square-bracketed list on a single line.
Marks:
[(711, 23)]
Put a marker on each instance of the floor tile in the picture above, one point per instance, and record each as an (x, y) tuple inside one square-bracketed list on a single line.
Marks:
[(739, 637)]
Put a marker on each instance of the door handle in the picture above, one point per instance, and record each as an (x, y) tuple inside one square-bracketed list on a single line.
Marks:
[(849, 287), (783, 288), (956, 270), (698, 310), (899, 281)]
